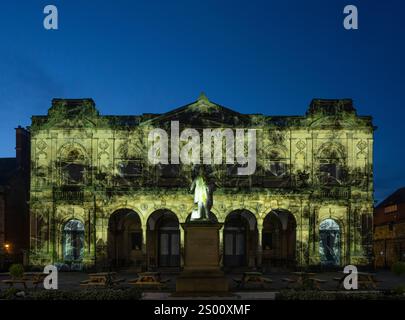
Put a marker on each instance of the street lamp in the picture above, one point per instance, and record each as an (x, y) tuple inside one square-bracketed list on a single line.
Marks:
[(7, 247)]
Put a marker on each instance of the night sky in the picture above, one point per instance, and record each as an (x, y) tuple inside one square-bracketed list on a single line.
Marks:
[(268, 57)]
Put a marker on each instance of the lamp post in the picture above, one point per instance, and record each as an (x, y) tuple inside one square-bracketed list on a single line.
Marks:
[(7, 248)]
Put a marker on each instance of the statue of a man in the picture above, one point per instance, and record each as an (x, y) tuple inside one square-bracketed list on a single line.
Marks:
[(201, 197)]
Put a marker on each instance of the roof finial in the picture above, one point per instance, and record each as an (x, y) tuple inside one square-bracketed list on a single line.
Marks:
[(202, 96)]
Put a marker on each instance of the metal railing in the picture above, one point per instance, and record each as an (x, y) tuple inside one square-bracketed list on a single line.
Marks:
[(68, 194)]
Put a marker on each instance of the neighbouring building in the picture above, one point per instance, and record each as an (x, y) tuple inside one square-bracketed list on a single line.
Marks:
[(389, 230), (14, 206), (96, 200)]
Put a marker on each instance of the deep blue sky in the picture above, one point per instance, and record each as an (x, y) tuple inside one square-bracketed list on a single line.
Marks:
[(268, 57)]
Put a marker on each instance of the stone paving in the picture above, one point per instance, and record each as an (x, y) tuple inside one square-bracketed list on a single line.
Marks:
[(71, 280)]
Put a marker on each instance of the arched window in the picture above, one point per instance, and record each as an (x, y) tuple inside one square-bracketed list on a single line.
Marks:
[(331, 165), (73, 240), (329, 242), (73, 166)]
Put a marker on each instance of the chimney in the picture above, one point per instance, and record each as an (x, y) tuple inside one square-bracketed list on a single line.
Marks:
[(22, 147)]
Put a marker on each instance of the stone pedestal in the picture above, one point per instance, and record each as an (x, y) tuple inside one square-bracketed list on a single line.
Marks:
[(201, 273)]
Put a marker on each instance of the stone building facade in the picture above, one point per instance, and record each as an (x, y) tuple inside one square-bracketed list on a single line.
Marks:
[(97, 200)]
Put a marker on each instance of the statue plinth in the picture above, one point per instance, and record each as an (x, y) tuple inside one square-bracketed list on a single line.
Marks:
[(201, 273)]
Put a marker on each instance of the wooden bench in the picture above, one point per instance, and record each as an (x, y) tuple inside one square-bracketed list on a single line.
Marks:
[(291, 283), (12, 282), (117, 281), (317, 282), (339, 281), (255, 278), (107, 279), (238, 282), (35, 277), (149, 279), (366, 280)]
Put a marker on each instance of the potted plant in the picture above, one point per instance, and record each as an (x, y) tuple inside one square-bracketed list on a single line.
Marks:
[(16, 271)]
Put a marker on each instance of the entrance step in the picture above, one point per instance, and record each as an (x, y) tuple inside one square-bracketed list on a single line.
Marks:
[(238, 269), (168, 270)]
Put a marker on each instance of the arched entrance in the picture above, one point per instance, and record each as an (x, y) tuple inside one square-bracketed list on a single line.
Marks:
[(329, 242), (279, 239), (164, 231), (125, 238), (73, 240), (239, 238)]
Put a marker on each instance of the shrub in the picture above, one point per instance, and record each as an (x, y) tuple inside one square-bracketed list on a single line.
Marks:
[(398, 268), (16, 271), (324, 295), (9, 293), (399, 290)]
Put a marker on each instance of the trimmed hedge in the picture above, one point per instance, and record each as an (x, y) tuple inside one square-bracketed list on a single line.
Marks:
[(324, 295), (90, 295)]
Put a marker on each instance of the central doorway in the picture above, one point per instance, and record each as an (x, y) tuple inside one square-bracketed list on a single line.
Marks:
[(168, 241), (279, 239), (125, 239)]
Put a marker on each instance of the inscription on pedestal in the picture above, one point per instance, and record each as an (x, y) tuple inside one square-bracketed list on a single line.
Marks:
[(201, 248), (201, 260)]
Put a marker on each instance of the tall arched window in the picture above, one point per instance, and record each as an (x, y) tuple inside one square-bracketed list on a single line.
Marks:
[(331, 165), (73, 166), (329, 242), (73, 240)]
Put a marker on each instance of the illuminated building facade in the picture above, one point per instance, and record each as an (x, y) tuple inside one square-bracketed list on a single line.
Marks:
[(97, 200)]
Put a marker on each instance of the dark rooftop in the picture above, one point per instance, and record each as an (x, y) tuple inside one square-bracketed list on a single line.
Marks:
[(396, 198)]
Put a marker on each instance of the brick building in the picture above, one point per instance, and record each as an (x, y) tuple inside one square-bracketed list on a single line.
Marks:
[(14, 206), (389, 230)]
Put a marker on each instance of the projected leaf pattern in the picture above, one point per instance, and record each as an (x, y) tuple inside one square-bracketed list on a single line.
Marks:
[(329, 242), (73, 240)]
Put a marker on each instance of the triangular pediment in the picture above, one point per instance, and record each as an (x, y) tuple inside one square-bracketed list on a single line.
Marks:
[(202, 113)]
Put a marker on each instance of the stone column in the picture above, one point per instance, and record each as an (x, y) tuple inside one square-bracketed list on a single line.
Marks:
[(221, 247), (314, 240), (259, 244), (181, 247), (145, 239), (101, 240)]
